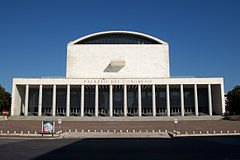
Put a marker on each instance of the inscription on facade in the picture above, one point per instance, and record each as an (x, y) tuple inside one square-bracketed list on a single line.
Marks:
[(116, 81)]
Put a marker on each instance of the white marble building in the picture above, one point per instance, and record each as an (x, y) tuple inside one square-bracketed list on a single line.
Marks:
[(118, 73)]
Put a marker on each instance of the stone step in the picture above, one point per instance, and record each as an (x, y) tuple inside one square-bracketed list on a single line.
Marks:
[(143, 118)]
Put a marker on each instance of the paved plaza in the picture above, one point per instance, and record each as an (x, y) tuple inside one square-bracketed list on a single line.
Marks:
[(182, 126)]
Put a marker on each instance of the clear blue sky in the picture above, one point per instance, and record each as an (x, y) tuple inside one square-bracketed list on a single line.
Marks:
[(204, 35)]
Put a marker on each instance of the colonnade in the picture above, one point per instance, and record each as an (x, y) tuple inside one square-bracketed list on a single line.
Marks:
[(125, 97)]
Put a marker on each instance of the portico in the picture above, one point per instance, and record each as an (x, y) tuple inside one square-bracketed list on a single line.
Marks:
[(118, 97)]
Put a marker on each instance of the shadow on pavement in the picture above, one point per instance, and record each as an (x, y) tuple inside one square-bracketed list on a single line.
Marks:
[(145, 149)]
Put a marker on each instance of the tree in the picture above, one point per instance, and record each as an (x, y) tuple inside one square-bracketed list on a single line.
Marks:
[(5, 99), (233, 101)]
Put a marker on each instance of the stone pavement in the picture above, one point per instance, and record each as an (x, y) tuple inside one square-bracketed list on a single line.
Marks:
[(183, 126), (115, 135)]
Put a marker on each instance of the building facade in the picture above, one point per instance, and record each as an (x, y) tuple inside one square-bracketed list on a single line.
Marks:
[(117, 73)]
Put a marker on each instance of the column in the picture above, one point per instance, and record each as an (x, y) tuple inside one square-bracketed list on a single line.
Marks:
[(54, 101), (168, 100), (82, 100), (40, 100), (223, 98), (196, 99), (96, 100), (209, 100), (111, 101), (153, 100), (139, 101), (26, 100), (23, 106), (182, 99), (68, 100), (125, 100)]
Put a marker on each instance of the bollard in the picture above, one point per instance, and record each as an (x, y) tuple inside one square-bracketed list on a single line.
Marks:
[(152, 130), (21, 132), (101, 131), (14, 132), (193, 132), (207, 132), (28, 132), (88, 130), (0, 131), (235, 131), (185, 132), (165, 130), (174, 130), (140, 131), (82, 130), (146, 130), (114, 130), (159, 130), (227, 131), (200, 132), (107, 130), (120, 130), (126, 130), (75, 130), (35, 132), (69, 130), (7, 131), (221, 132), (133, 130), (214, 132)]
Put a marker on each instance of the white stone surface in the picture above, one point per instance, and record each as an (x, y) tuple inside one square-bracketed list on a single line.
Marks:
[(26, 100), (96, 100), (82, 100), (125, 100), (139, 101), (95, 61), (40, 101), (115, 81), (54, 100), (153, 100), (182, 99), (68, 101), (196, 99), (168, 100)]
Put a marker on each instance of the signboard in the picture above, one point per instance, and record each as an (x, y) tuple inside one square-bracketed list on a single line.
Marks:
[(175, 121), (4, 112), (48, 127), (59, 121)]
